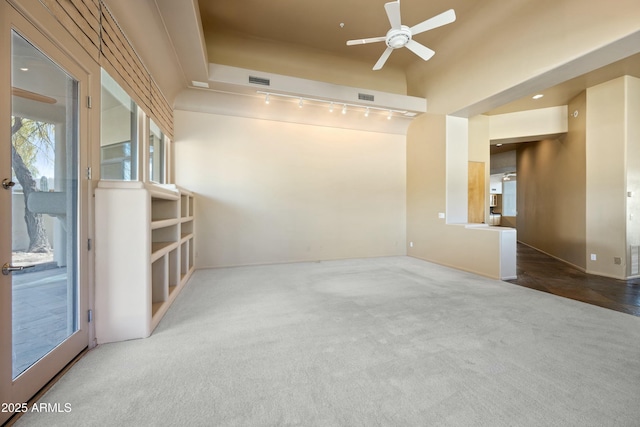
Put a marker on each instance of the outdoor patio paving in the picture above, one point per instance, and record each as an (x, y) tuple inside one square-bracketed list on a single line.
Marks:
[(39, 314)]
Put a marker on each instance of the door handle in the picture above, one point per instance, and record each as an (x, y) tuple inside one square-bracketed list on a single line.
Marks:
[(7, 184), (7, 269)]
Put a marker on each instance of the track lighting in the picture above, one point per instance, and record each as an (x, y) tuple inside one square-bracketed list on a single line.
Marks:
[(302, 99)]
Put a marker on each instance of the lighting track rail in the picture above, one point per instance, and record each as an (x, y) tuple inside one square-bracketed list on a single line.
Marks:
[(343, 105)]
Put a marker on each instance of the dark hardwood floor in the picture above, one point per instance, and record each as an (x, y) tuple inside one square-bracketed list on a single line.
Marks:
[(544, 273)]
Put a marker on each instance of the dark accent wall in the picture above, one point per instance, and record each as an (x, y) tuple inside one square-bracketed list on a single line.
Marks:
[(551, 195)]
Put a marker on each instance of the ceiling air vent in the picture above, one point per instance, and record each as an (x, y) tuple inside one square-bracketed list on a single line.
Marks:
[(365, 97), (259, 81)]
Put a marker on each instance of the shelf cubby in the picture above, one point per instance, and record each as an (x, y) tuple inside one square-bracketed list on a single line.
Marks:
[(191, 256)]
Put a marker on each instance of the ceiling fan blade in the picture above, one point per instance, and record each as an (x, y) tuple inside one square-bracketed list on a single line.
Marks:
[(365, 41), (383, 58), (420, 50), (437, 21), (393, 13)]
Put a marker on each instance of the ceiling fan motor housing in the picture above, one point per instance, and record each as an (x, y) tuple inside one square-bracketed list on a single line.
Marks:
[(398, 38)]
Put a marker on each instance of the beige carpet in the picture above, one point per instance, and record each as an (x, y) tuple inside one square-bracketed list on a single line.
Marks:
[(377, 342)]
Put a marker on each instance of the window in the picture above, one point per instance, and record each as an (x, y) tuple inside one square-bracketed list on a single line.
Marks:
[(156, 154), (118, 133)]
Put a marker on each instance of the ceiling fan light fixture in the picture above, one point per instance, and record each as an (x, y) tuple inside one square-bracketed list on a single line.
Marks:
[(400, 36)]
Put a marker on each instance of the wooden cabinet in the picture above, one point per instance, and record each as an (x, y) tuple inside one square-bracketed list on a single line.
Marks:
[(476, 192), (144, 255)]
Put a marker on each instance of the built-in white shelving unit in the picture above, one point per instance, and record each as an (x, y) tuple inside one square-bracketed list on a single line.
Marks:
[(144, 255)]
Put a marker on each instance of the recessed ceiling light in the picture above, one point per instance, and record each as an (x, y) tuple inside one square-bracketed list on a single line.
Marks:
[(24, 69), (538, 96), (498, 145)]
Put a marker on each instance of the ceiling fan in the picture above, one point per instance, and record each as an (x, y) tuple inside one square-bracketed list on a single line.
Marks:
[(401, 36)]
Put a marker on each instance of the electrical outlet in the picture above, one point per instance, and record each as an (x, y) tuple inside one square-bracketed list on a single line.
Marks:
[(594, 257), (617, 260), (441, 215)]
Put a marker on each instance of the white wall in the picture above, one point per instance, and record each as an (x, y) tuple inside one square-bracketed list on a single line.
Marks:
[(633, 175), (531, 125), (606, 177), (269, 192), (457, 169)]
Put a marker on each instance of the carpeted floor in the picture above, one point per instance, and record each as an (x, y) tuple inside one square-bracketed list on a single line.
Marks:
[(376, 342)]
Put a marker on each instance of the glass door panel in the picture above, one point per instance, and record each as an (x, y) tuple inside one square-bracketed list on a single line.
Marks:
[(44, 204)]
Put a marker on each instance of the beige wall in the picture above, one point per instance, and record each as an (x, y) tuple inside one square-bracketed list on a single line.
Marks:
[(143, 26), (475, 250), (292, 60), (551, 192), (606, 182), (502, 62), (613, 122), (633, 175), (269, 192)]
